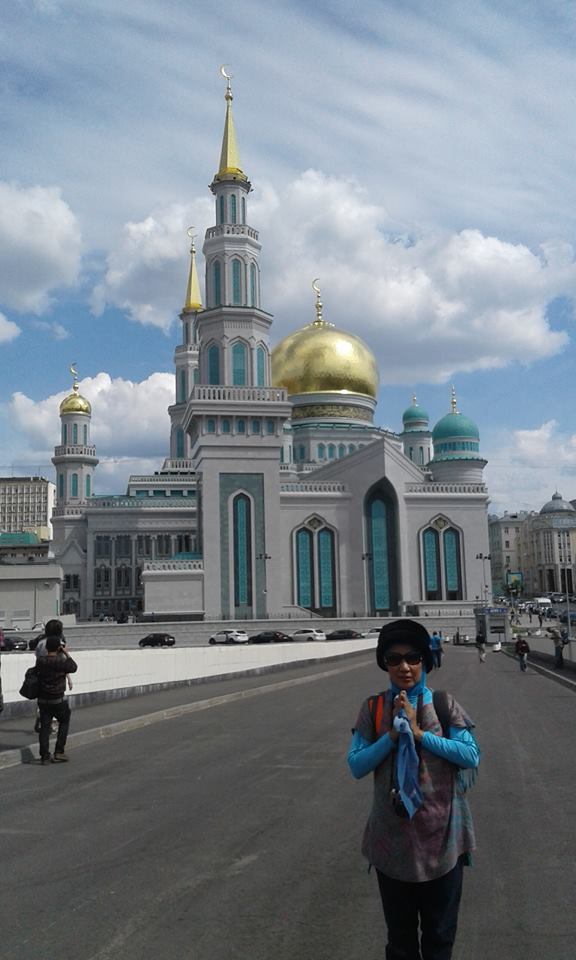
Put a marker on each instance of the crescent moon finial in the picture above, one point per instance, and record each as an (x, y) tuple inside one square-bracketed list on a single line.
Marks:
[(228, 78), (316, 290), (74, 373)]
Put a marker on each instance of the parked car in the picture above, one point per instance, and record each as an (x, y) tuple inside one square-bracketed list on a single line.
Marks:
[(229, 636), (310, 633), (344, 634), (270, 636), (12, 642), (563, 618), (157, 640)]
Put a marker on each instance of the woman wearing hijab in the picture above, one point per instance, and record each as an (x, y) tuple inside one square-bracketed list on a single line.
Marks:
[(419, 833)]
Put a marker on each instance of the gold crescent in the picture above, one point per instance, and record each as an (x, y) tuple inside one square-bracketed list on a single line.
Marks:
[(73, 370), (223, 72), (315, 286), (190, 232)]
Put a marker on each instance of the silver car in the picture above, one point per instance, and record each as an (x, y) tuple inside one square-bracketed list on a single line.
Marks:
[(310, 633)]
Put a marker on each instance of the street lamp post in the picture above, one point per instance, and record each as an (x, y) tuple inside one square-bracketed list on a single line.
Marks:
[(264, 557), (484, 557)]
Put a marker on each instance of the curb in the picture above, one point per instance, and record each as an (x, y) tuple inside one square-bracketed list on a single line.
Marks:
[(545, 672), (28, 754)]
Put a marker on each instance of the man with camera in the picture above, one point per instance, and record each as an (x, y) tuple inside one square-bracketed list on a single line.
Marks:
[(53, 670)]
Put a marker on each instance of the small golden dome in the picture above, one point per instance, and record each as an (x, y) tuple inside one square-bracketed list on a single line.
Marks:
[(75, 402)]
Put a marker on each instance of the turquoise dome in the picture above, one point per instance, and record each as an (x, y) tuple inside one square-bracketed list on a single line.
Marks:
[(455, 425), (415, 412)]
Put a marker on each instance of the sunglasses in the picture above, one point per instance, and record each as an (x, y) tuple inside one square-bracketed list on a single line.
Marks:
[(395, 659)]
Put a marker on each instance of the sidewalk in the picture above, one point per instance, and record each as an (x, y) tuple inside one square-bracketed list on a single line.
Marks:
[(19, 743)]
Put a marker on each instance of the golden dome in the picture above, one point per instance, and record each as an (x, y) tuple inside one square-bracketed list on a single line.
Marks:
[(75, 402), (321, 358)]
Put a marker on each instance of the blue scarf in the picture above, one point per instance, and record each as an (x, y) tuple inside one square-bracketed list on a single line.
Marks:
[(407, 762)]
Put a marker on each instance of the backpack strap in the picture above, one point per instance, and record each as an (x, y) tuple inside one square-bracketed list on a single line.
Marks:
[(376, 707), (442, 708)]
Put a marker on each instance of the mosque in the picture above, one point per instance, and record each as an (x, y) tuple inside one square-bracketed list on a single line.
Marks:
[(280, 496)]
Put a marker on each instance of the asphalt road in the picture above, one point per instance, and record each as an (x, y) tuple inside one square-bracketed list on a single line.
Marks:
[(234, 832)]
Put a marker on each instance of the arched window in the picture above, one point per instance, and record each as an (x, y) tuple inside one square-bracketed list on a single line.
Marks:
[(421, 456), (233, 215), (222, 207), (179, 443), (452, 565), (211, 425), (74, 485), (213, 364), (217, 275), (61, 485), (236, 283), (241, 519), (239, 365), (341, 450), (253, 285), (182, 386), (64, 433), (75, 433), (304, 570), (331, 451), (381, 553), (225, 425), (326, 571), (243, 209), (260, 366), (411, 453), (302, 452), (351, 448), (321, 451), (240, 425), (88, 486), (196, 375), (85, 433), (431, 547)]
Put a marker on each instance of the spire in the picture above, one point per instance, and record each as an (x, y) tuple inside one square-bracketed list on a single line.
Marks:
[(193, 301), (453, 403), (229, 157), (319, 321)]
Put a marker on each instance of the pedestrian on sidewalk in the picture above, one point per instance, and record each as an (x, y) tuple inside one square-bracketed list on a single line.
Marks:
[(481, 647), (436, 648), (40, 651), (522, 651), (560, 641), (540, 620), (420, 833), (52, 672)]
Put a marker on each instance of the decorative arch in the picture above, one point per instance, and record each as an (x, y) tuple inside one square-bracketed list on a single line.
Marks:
[(315, 566), (217, 282), (441, 560), (381, 556), (233, 208), (260, 366), (213, 364), (239, 364), (242, 542), (236, 282)]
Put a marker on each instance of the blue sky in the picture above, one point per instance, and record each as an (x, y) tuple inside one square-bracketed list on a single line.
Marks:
[(416, 157)]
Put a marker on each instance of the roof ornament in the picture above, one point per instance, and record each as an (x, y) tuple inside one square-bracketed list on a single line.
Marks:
[(74, 373), (319, 320), (453, 403), (193, 299), (228, 77), (414, 400)]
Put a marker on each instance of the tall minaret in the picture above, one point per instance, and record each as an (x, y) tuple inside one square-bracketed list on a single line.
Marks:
[(75, 457), (233, 330), (234, 418), (186, 359)]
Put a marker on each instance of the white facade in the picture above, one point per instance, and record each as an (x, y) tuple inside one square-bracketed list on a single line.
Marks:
[(26, 503)]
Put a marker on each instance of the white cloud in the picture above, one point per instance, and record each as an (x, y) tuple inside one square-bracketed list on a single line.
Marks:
[(129, 420), (147, 270), (8, 330), (524, 472), (55, 329), (39, 246)]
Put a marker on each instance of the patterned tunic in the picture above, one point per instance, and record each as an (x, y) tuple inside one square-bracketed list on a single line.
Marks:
[(428, 845)]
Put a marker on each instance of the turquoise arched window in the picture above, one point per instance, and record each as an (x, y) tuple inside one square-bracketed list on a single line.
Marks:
[(431, 547), (64, 433), (213, 364), (260, 366), (236, 283), (240, 425), (421, 456), (182, 386), (225, 425), (304, 569), (179, 442), (243, 209), (411, 453), (75, 433), (211, 425), (302, 452), (326, 571), (217, 283), (253, 285), (341, 450), (222, 208), (241, 519), (351, 448), (380, 553), (321, 451), (74, 485), (452, 566), (196, 375), (233, 211), (61, 485), (88, 486), (239, 365), (331, 451), (85, 433)]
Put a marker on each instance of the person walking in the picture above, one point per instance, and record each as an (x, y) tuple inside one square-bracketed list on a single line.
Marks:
[(436, 648), (39, 647), (481, 647), (522, 650), (419, 834), (52, 672)]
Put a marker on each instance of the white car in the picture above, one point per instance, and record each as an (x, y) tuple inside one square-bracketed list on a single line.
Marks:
[(229, 636), (309, 634)]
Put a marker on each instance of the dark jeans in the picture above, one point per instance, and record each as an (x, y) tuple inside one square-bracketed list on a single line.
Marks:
[(61, 711), (434, 904), (437, 658)]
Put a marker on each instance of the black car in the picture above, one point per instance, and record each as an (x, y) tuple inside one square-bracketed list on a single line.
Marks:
[(344, 634), (270, 636), (157, 640), (12, 642)]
